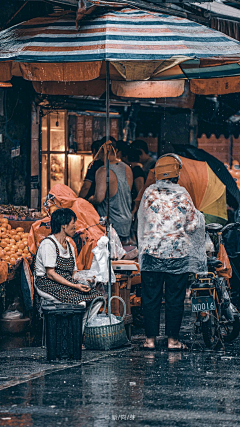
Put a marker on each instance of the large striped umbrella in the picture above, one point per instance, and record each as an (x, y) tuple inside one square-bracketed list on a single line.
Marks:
[(145, 54), (125, 35), (150, 54)]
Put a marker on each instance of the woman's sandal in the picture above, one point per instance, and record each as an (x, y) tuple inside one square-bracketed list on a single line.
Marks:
[(183, 347), (147, 348)]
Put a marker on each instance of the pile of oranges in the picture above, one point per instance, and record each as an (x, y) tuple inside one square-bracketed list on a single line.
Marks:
[(13, 243)]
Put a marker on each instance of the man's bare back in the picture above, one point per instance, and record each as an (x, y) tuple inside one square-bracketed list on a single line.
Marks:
[(101, 185)]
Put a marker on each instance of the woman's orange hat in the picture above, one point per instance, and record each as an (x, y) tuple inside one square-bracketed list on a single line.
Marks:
[(168, 166)]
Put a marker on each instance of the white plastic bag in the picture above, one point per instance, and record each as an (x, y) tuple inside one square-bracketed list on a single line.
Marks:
[(103, 320), (12, 315), (117, 251), (100, 261), (83, 275)]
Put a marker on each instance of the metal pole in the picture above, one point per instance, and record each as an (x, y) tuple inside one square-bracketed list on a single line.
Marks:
[(230, 148), (107, 171)]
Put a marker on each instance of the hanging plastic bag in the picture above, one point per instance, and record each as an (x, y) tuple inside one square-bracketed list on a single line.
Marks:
[(225, 270), (117, 251), (100, 261)]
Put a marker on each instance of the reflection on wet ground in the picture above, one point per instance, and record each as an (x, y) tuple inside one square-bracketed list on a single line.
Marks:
[(134, 388)]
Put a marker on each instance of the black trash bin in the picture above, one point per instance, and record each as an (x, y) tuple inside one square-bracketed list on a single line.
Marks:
[(63, 331)]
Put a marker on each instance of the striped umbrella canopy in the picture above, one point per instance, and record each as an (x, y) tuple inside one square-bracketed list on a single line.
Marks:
[(145, 54), (150, 54)]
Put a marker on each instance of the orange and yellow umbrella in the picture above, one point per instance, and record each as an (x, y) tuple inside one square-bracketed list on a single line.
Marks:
[(208, 193)]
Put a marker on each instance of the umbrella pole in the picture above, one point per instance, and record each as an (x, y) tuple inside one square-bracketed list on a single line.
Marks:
[(230, 150), (108, 202)]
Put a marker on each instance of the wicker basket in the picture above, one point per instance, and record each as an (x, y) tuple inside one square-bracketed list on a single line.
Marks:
[(106, 337)]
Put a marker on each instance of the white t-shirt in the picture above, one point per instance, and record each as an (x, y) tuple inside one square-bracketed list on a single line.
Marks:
[(47, 255)]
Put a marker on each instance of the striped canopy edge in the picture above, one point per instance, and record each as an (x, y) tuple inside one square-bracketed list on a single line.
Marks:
[(139, 45)]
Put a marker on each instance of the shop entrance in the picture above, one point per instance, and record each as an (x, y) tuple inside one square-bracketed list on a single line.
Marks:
[(65, 146)]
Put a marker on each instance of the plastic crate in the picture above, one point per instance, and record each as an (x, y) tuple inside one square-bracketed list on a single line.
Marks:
[(63, 331)]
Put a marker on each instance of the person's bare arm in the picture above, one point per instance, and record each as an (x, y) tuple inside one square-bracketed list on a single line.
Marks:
[(51, 274), (85, 189), (101, 187), (139, 183), (129, 176)]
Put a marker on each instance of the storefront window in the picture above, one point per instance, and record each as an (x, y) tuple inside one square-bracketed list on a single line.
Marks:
[(77, 168), (66, 139), (57, 131), (54, 150), (57, 169)]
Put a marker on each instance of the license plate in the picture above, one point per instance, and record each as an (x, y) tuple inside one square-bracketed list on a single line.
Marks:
[(203, 304)]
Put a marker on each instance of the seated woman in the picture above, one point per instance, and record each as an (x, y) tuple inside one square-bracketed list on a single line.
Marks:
[(55, 264)]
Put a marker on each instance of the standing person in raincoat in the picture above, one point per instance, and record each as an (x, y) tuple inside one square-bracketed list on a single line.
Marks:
[(171, 239)]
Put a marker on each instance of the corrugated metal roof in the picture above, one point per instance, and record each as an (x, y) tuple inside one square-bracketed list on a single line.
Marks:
[(220, 9)]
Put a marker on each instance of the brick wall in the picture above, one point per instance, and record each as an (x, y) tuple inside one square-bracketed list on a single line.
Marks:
[(219, 148)]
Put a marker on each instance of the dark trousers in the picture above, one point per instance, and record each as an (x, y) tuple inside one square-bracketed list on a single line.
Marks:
[(152, 291)]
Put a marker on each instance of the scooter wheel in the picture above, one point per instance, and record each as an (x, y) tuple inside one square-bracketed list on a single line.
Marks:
[(210, 332), (231, 331)]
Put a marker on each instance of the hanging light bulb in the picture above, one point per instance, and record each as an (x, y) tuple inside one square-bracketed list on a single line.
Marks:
[(57, 122)]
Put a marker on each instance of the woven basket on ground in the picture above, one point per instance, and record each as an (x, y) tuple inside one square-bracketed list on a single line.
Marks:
[(106, 337)]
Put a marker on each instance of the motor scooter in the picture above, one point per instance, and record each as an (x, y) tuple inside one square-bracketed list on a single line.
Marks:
[(216, 318)]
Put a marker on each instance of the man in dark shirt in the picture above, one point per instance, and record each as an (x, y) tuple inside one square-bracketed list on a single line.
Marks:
[(88, 187), (146, 160), (133, 160)]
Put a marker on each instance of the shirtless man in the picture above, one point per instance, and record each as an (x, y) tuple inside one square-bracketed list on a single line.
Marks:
[(120, 185)]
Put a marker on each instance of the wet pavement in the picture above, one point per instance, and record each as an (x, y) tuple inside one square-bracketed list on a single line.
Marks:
[(123, 387)]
